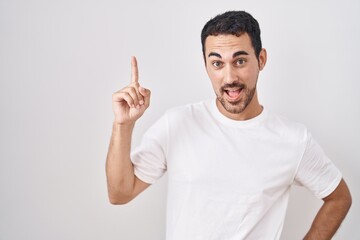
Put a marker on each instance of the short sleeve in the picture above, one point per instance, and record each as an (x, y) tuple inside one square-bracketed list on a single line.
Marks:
[(316, 172), (149, 158)]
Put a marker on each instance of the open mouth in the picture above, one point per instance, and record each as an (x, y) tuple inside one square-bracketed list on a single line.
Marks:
[(233, 94)]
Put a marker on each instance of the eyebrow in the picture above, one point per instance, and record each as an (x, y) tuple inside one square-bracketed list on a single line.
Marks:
[(214, 54), (238, 53)]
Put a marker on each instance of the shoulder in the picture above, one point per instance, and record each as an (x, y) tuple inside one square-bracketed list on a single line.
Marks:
[(180, 115), (284, 121), (188, 110), (286, 127), (189, 115)]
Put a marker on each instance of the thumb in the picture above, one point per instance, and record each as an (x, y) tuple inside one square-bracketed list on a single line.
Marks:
[(146, 93), (143, 91)]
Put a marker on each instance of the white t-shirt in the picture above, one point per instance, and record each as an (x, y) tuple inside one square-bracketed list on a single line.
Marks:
[(230, 179)]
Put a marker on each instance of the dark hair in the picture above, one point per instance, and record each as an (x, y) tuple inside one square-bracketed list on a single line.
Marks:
[(234, 23)]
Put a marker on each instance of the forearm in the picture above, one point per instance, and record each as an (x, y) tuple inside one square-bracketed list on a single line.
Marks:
[(331, 214), (119, 168)]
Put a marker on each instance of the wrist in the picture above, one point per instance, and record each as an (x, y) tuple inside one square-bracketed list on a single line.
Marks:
[(123, 126)]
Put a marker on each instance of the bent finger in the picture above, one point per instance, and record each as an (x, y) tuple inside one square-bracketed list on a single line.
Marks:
[(146, 94), (143, 91), (134, 94), (124, 96)]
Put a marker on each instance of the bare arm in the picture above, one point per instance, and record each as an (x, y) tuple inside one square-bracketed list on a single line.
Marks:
[(331, 214), (129, 104)]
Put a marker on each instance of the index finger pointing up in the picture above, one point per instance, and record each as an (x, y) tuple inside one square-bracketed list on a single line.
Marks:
[(134, 70)]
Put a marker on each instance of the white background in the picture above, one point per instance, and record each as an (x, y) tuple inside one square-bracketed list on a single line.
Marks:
[(61, 60)]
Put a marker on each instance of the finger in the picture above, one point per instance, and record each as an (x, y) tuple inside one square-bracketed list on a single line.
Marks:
[(140, 97), (134, 70), (146, 93), (134, 94), (123, 96), (143, 91), (141, 94)]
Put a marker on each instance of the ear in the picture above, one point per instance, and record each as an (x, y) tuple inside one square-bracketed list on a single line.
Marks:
[(262, 59)]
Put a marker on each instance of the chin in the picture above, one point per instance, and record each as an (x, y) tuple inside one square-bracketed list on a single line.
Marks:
[(232, 107), (235, 110)]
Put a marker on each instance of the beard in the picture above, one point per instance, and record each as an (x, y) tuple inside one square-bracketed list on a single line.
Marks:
[(240, 105)]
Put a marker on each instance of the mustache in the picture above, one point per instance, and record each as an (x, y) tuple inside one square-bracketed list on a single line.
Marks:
[(232, 85)]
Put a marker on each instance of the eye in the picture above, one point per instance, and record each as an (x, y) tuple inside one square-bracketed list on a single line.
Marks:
[(217, 64), (240, 61)]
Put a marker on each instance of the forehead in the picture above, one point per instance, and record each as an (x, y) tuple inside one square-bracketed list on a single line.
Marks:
[(228, 43)]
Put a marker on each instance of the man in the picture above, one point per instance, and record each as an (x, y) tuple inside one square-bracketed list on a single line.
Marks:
[(230, 161)]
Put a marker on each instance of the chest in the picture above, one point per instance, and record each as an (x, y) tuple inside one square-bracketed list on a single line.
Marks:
[(242, 159)]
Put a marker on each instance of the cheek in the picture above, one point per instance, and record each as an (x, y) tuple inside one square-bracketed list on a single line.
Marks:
[(251, 76), (214, 76), (215, 79)]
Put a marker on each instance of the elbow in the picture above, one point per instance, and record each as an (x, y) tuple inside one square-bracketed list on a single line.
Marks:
[(118, 201), (119, 194), (119, 198)]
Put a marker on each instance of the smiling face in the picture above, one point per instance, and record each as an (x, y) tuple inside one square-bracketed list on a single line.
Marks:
[(233, 68)]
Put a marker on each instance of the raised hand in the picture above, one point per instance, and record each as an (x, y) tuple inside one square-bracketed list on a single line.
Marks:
[(130, 103)]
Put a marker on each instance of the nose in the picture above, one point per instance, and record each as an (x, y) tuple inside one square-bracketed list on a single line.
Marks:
[(230, 74)]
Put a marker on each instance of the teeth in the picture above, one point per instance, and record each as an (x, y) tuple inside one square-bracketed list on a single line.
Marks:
[(233, 90)]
